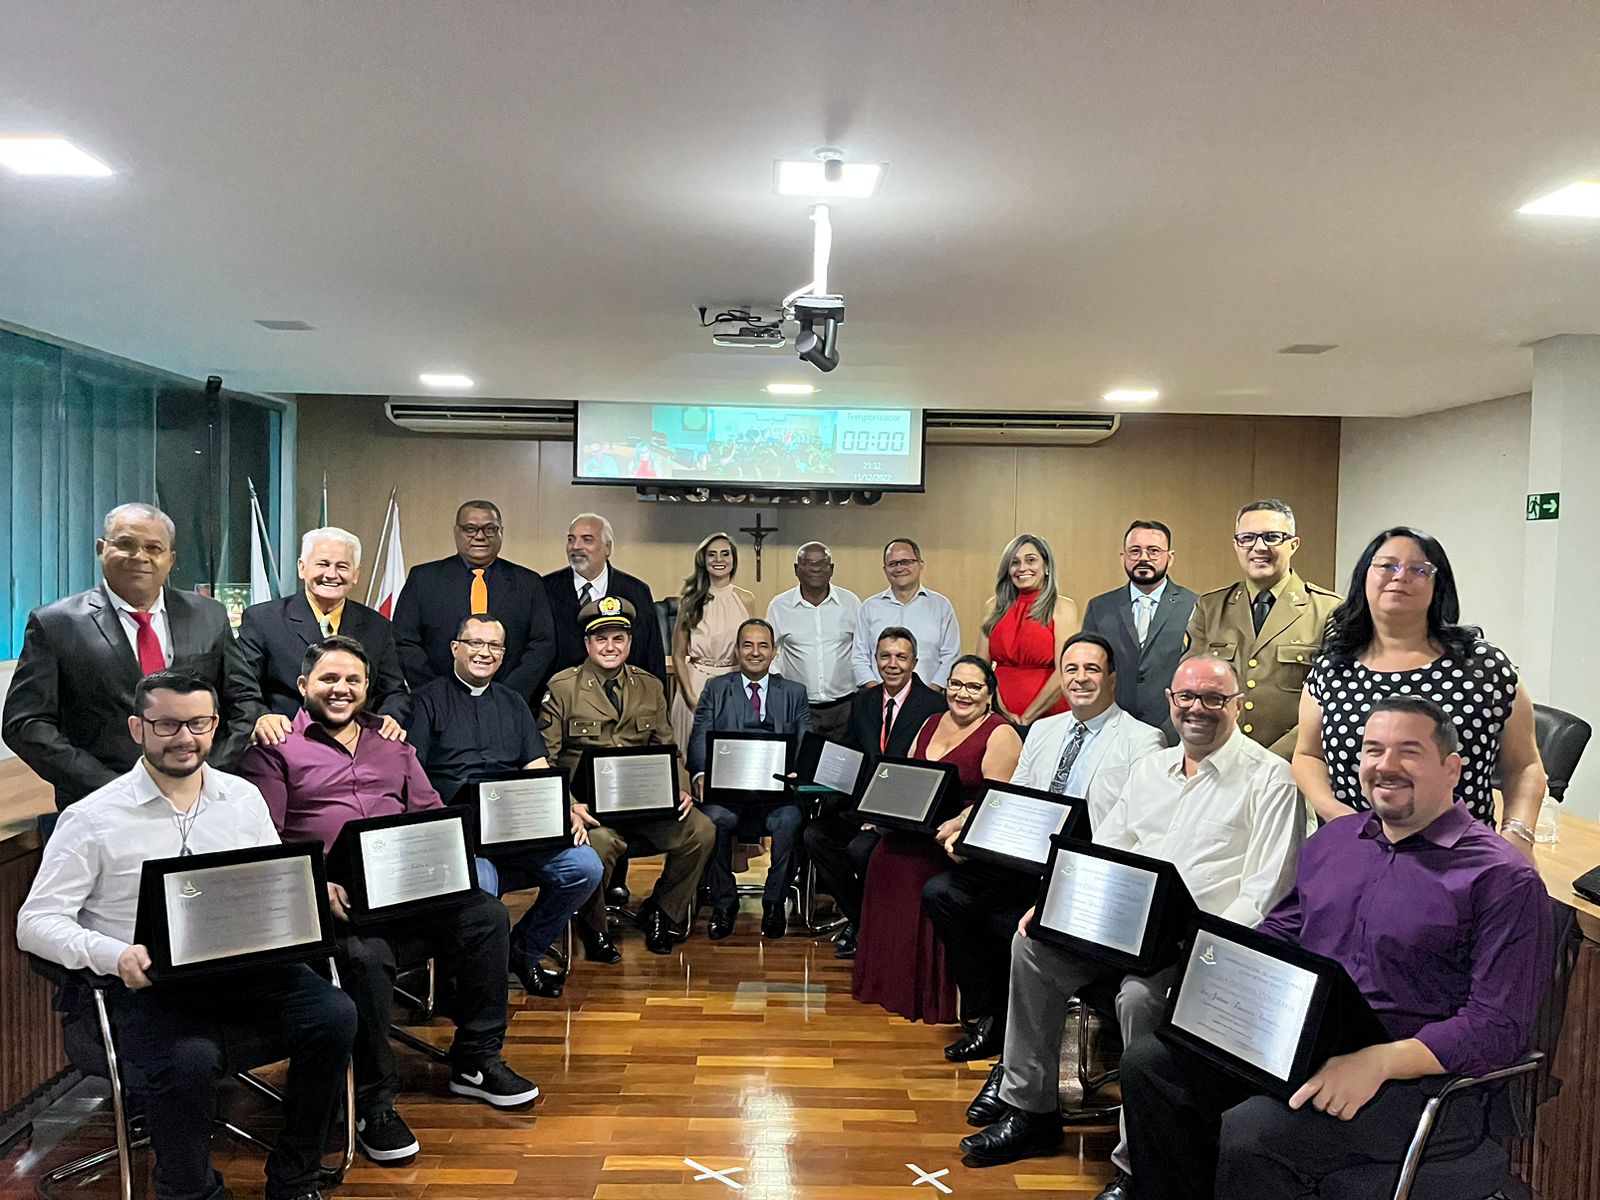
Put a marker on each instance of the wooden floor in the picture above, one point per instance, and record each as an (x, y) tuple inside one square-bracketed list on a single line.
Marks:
[(739, 1055)]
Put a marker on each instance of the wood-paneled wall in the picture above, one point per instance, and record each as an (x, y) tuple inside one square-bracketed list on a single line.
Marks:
[(1191, 472), (30, 1032)]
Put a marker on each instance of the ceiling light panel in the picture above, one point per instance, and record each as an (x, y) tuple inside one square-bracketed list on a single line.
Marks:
[(445, 380), (1131, 395), (50, 157), (1581, 199), (858, 180)]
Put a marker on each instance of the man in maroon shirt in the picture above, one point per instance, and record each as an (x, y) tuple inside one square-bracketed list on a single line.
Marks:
[(333, 768), (1446, 930)]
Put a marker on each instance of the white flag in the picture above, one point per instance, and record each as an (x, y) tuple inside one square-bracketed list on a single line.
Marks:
[(394, 565), (260, 580)]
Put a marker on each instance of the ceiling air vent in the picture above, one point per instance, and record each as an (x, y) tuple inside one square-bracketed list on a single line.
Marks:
[(950, 427), (540, 419), (1309, 348)]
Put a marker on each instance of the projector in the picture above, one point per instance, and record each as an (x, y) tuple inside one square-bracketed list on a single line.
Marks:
[(750, 338)]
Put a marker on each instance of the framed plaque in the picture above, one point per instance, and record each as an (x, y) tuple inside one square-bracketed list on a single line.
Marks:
[(521, 810), (1265, 1011), (203, 914), (1011, 826), (407, 863), (747, 767), (910, 793), (628, 783), (1125, 910), (826, 766)]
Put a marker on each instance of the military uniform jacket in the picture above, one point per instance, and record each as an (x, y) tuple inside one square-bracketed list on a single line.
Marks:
[(1272, 664), (577, 715)]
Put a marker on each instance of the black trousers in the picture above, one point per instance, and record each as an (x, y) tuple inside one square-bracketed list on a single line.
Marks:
[(975, 908), (472, 945), (1194, 1133), (177, 1044), (840, 850)]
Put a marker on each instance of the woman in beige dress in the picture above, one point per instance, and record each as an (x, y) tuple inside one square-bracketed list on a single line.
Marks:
[(710, 611)]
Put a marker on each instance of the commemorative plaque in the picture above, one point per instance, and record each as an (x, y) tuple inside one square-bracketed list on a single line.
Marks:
[(746, 768), (628, 783), (910, 793), (203, 914), (522, 810), (827, 766), (1265, 1011), (409, 863), (1011, 826)]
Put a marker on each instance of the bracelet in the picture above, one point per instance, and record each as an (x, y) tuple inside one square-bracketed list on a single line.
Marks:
[(1517, 828)]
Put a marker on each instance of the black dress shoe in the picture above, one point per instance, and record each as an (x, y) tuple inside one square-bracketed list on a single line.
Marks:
[(597, 945), (721, 923), (1120, 1188), (617, 897), (987, 1107), (535, 980), (659, 936), (987, 1038), (844, 945), (1016, 1135), (774, 922)]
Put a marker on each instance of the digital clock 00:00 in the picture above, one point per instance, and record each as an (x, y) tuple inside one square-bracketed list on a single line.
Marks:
[(872, 441)]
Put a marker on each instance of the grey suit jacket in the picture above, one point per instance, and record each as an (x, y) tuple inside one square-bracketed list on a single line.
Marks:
[(1144, 672), (67, 712), (725, 707)]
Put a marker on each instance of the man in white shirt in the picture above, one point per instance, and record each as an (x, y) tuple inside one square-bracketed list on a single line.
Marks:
[(815, 624), (974, 906), (1226, 813), (177, 1044), (906, 603)]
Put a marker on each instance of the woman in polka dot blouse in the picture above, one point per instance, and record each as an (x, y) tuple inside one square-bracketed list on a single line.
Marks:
[(1398, 632)]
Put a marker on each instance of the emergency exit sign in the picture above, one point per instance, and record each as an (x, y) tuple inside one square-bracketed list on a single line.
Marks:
[(1544, 506)]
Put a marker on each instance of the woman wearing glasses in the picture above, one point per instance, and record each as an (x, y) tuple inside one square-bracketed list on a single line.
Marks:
[(1398, 632), (1025, 625), (900, 963)]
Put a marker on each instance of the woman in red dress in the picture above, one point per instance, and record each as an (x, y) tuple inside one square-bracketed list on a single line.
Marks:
[(900, 964), (1025, 624)]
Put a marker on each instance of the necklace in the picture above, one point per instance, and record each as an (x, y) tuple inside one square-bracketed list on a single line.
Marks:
[(185, 825)]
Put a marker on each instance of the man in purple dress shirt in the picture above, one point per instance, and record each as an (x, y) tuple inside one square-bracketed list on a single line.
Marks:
[(333, 768), (1446, 930)]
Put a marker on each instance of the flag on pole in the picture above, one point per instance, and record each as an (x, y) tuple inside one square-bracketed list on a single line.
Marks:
[(263, 570), (322, 517), (394, 562)]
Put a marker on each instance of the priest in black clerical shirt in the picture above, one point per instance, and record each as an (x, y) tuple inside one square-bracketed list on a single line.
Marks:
[(463, 725)]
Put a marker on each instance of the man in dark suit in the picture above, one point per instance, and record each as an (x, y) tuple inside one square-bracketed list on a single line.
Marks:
[(438, 596), (590, 576), (1145, 623), (273, 636), (82, 656), (885, 718), (751, 698)]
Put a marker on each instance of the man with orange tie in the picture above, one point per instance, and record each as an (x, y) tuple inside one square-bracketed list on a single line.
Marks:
[(438, 596), (82, 656)]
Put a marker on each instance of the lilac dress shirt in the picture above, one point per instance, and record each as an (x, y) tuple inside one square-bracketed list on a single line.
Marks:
[(1449, 934), (313, 785)]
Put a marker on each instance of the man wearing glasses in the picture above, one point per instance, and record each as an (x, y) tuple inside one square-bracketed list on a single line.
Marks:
[(438, 596), (909, 605), (1268, 626), (1217, 806)]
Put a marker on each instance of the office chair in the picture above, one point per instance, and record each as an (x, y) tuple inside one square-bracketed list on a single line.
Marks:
[(1562, 737)]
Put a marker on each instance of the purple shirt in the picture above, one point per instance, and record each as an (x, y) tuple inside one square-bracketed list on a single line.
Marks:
[(313, 785), (1449, 935)]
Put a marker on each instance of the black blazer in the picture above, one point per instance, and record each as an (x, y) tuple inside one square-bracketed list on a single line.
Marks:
[(67, 713), (436, 599), (647, 653), (866, 719), (1144, 672), (273, 637)]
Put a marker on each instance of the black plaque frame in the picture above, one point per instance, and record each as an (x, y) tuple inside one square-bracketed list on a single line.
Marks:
[(1075, 828), (557, 841), (805, 765), (738, 797), (583, 782), (346, 868), (944, 804)]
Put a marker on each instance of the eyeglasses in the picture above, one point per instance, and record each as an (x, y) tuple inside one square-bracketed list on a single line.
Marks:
[(477, 531), (1151, 552), (131, 546), (478, 646), (1272, 537), (900, 564), (169, 726), (1210, 701), (971, 688), (1423, 571)]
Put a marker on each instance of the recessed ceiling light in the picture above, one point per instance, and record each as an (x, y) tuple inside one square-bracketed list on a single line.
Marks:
[(1130, 395), (859, 180), (1581, 199), (285, 326), (790, 389), (49, 156), (1309, 348), (436, 379)]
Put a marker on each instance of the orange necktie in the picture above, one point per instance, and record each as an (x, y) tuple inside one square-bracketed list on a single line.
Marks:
[(480, 593)]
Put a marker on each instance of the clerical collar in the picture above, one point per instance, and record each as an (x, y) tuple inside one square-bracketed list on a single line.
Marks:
[(472, 687)]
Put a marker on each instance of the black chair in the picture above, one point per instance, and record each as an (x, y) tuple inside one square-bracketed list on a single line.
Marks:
[(1561, 737)]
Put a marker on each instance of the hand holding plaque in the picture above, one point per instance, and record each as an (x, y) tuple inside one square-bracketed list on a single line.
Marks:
[(394, 866), (910, 794), (522, 810), (628, 783), (1127, 911), (1011, 826), (746, 768)]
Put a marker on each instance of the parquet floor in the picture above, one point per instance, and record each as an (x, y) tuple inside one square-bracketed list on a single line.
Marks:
[(750, 1058)]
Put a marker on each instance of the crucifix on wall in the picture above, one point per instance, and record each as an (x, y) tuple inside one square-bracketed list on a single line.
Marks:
[(758, 534)]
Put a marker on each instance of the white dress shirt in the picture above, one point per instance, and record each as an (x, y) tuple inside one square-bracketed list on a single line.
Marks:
[(815, 641), (1115, 741), (80, 911), (597, 585), (929, 616), (1233, 829), (130, 627)]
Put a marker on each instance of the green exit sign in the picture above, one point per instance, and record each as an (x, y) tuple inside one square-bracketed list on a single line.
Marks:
[(1544, 506)]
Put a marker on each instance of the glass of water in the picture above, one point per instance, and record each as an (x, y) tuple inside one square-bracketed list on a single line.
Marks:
[(1548, 829)]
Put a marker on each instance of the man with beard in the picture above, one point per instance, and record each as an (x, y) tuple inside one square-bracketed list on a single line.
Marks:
[(1222, 810), (178, 1045), (1145, 623), (591, 576), (1446, 931), (333, 768)]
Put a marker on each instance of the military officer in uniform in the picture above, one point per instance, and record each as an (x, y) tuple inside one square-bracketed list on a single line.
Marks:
[(604, 701), (1269, 626)]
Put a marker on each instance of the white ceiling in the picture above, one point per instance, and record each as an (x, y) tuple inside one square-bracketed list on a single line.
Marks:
[(1080, 195)]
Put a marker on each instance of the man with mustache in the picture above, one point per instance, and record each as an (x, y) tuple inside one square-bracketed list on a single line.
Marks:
[(1445, 929), (588, 576), (1222, 810)]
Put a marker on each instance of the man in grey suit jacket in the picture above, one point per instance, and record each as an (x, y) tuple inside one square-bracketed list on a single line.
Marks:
[(750, 698), (1145, 623), (67, 712)]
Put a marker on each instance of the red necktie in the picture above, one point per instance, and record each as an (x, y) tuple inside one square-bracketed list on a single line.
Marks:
[(151, 659), (755, 699)]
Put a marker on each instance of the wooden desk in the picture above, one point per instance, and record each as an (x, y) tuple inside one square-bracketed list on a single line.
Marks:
[(1578, 851)]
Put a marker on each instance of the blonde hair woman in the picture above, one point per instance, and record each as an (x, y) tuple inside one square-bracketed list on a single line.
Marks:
[(1025, 624), (711, 608)]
